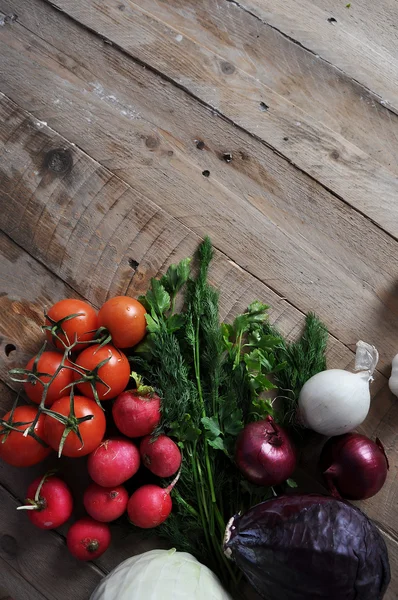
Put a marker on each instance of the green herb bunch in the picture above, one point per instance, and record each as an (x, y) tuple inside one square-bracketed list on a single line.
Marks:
[(212, 380)]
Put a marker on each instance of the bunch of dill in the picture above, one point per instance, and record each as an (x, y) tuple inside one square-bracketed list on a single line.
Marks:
[(212, 378)]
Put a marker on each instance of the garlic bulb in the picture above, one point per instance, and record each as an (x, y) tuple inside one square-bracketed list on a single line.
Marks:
[(336, 401), (393, 381)]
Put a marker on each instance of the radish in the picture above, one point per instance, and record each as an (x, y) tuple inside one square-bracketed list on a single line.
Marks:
[(105, 504), (87, 539), (137, 412), (113, 462), (161, 455), (50, 502), (150, 505)]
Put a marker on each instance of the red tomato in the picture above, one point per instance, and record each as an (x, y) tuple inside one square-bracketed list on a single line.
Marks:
[(124, 318), (18, 450), (92, 431), (115, 373), (48, 363), (79, 326)]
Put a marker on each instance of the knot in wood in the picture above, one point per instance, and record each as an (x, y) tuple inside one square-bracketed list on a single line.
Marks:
[(227, 68), (58, 161), (9, 545)]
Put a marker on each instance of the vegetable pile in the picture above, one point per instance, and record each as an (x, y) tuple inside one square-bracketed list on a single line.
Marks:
[(205, 416)]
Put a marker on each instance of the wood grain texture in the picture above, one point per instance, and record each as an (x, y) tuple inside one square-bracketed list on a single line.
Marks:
[(256, 206), (174, 36), (361, 42), (15, 587), (352, 165)]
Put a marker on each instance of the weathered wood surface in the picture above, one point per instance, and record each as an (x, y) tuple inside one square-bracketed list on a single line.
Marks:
[(361, 40), (124, 196), (212, 71), (258, 202)]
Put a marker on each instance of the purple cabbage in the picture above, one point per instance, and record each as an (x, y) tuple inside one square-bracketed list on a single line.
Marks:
[(309, 547)]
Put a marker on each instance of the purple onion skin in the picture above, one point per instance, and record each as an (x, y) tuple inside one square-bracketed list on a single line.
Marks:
[(353, 466), (264, 453), (309, 547)]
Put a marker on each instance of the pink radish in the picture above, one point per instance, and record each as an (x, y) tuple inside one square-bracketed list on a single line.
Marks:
[(137, 412), (113, 462), (161, 455), (150, 505), (105, 504), (49, 502), (87, 539)]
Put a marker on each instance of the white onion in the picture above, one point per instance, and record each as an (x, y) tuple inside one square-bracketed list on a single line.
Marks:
[(335, 401), (393, 381), (161, 575)]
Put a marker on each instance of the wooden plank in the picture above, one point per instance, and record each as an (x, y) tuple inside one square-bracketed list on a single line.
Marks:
[(178, 36), (361, 42), (392, 547), (15, 587), (311, 244), (41, 557), (327, 154)]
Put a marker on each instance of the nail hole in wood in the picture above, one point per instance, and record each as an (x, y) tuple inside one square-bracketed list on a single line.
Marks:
[(332, 20), (285, 139), (133, 263), (206, 173), (58, 161), (264, 107), (227, 156), (335, 154), (200, 144), (9, 348)]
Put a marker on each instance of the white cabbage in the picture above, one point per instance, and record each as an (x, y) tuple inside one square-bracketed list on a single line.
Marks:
[(161, 575)]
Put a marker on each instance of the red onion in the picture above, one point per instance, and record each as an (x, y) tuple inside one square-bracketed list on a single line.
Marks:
[(353, 466), (264, 454)]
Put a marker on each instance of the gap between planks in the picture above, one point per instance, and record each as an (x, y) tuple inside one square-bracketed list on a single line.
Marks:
[(250, 11), (333, 179)]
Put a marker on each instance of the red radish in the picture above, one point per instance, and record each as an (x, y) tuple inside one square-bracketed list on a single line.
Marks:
[(137, 412), (161, 455), (150, 505), (50, 502), (105, 504), (88, 539), (264, 453), (113, 462)]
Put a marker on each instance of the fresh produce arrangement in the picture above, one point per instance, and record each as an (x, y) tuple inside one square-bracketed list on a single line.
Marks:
[(209, 419)]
